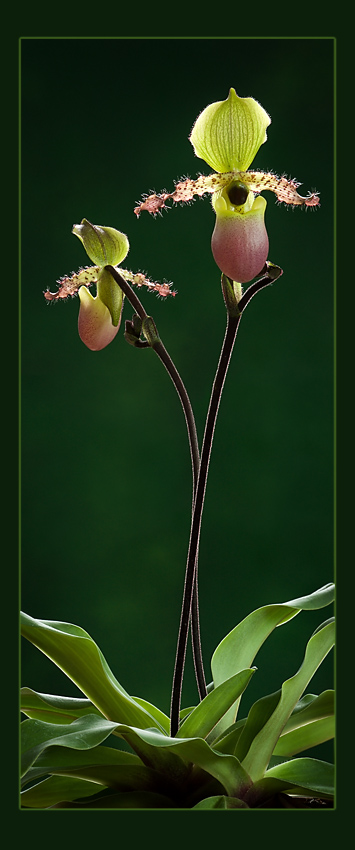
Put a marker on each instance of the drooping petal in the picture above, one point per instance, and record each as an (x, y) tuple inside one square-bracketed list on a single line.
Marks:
[(284, 189), (69, 285), (228, 134), (240, 243), (95, 324), (258, 181)]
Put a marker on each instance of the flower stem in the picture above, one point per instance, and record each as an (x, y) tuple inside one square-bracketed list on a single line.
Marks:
[(233, 320), (195, 461), (165, 358)]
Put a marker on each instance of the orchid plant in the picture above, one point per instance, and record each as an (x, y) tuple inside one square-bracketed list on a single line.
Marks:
[(208, 755)]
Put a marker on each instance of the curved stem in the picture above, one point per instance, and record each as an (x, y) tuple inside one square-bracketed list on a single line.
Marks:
[(234, 313), (232, 327), (195, 460), (165, 358)]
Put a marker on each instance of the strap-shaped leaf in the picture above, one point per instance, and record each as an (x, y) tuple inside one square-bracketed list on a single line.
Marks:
[(303, 775), (225, 768), (258, 716), (309, 709), (172, 757), (163, 719), (55, 789), (74, 651), (63, 790), (66, 760), (307, 713), (81, 734), (227, 742), (263, 744), (106, 770), (310, 735), (206, 715), (221, 802), (238, 649), (55, 709)]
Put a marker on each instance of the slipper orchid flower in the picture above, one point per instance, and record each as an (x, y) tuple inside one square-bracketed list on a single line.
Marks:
[(100, 315), (227, 136)]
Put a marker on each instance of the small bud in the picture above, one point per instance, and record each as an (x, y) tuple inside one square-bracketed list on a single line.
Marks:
[(150, 330), (273, 271), (133, 331), (104, 245), (230, 295)]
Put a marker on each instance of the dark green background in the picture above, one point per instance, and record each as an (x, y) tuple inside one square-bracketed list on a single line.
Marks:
[(106, 482)]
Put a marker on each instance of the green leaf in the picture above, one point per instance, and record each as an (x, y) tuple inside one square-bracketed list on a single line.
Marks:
[(55, 789), (156, 750), (264, 743), (105, 769), (74, 651), (162, 719), (221, 802), (309, 709), (238, 649), (185, 711), (84, 733), (258, 715), (227, 742), (301, 775), (55, 709), (81, 763), (172, 757), (305, 737), (88, 732), (206, 715)]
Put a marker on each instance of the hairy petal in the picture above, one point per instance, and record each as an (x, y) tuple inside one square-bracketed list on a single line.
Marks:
[(185, 190), (257, 181), (139, 279), (285, 190), (69, 286)]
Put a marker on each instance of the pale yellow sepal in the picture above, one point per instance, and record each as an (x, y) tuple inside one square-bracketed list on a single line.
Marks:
[(229, 133), (104, 245)]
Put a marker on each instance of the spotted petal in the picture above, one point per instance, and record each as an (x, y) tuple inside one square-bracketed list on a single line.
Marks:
[(257, 181), (228, 134)]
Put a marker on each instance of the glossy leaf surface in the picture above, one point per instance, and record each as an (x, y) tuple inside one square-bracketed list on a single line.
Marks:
[(238, 649), (263, 744), (302, 775), (74, 651), (206, 715)]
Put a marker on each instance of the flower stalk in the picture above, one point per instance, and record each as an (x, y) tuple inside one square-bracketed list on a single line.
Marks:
[(153, 340), (234, 313)]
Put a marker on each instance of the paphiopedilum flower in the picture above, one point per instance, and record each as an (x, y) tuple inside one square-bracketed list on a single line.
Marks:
[(100, 315), (227, 136)]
